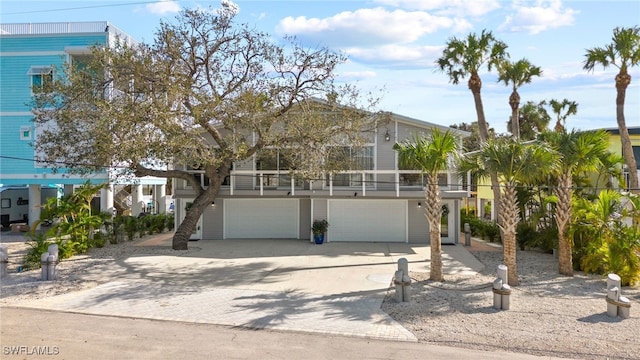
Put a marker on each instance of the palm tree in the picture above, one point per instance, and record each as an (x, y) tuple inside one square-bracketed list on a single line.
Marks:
[(515, 163), (578, 152), (622, 53), (516, 74), (533, 120), (561, 118), (430, 155), (465, 57)]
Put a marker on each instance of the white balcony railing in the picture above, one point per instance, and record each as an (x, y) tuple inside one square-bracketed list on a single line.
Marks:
[(362, 180)]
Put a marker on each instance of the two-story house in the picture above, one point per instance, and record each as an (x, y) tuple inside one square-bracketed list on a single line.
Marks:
[(32, 55), (377, 202)]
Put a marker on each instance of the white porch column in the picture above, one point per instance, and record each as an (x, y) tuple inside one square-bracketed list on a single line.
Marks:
[(106, 199), (137, 201), (160, 198), (35, 202)]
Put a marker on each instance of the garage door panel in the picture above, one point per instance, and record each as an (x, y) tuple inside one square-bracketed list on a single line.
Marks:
[(260, 218), (368, 220)]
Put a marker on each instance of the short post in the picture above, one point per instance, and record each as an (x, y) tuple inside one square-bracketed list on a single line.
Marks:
[(44, 266), (617, 305), (51, 267), (402, 281), (4, 261), (501, 289), (467, 234)]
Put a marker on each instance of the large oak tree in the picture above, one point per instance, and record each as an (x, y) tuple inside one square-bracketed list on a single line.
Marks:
[(206, 93)]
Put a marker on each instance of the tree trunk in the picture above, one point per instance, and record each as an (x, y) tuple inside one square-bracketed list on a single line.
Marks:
[(475, 85), (188, 225), (433, 212), (514, 102), (509, 217), (563, 216), (622, 82)]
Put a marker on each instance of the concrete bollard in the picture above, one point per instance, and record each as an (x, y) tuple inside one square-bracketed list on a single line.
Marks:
[(402, 281), (617, 305), (53, 250), (51, 267), (44, 266), (4, 261), (467, 234), (501, 290)]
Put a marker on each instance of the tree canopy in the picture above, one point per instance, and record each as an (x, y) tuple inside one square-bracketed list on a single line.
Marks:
[(206, 93)]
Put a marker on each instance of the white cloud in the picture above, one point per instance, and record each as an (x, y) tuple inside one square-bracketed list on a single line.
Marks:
[(356, 75), (447, 7), (163, 7), (544, 15), (397, 55), (368, 27)]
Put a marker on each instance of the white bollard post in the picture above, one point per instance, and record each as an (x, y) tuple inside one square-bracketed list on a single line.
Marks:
[(51, 267), (44, 264), (506, 303), (4, 261), (502, 273), (53, 250), (403, 281), (497, 298), (617, 305), (406, 288), (501, 289), (398, 281)]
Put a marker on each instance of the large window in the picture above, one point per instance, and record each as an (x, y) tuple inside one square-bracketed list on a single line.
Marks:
[(354, 159), (275, 170)]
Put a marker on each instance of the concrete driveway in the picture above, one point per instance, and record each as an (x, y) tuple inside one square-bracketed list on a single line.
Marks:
[(332, 288)]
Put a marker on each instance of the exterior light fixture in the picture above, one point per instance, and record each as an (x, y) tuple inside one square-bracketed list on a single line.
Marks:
[(419, 204), (387, 137)]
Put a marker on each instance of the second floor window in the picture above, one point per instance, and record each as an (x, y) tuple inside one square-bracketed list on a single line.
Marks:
[(41, 77), (354, 159)]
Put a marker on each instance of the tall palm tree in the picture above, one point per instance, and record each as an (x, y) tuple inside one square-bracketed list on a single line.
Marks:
[(577, 152), (623, 52), (431, 155), (515, 163), (465, 57), (516, 74), (563, 110)]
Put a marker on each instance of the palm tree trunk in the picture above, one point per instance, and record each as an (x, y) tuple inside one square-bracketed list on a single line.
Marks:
[(509, 217), (622, 82), (514, 102), (475, 85), (563, 215), (433, 212)]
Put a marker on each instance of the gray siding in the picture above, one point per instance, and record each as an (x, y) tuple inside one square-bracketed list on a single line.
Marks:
[(305, 219), (418, 232), (212, 221)]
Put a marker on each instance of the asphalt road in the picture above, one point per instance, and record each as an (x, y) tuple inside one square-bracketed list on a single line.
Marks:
[(38, 334)]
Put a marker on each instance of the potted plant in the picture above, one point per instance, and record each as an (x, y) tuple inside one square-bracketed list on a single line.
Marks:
[(319, 228)]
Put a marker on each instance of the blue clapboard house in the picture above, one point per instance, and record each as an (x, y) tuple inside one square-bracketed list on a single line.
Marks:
[(29, 54)]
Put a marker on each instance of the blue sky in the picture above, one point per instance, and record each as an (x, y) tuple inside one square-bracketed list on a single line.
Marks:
[(392, 46)]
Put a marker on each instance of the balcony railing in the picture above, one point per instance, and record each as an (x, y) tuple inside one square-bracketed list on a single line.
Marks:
[(363, 181)]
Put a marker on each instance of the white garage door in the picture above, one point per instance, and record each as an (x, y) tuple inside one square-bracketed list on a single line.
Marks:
[(368, 220), (260, 218)]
